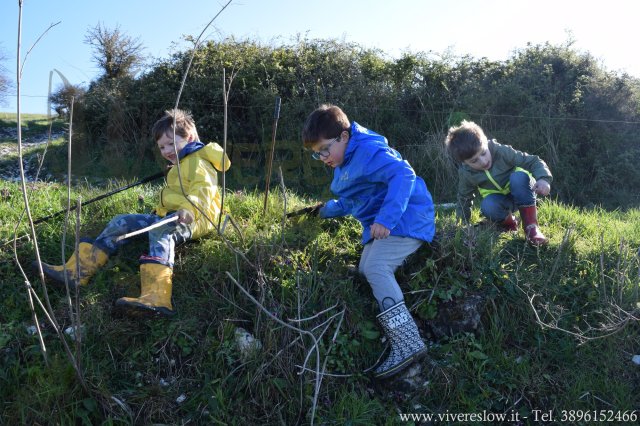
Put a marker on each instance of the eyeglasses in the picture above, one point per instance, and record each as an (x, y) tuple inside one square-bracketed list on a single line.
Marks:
[(324, 152)]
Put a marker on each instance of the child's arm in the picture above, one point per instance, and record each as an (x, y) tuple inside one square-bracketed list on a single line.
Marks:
[(530, 162), (466, 194), (202, 192), (200, 182), (201, 173), (336, 208), (400, 178), (536, 166)]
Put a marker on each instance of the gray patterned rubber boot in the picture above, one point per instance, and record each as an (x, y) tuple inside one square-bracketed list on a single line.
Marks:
[(403, 335)]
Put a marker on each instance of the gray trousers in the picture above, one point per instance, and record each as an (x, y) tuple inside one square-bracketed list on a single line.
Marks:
[(378, 263)]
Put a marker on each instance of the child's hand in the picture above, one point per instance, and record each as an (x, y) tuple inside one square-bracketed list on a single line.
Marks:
[(379, 232), (185, 216), (542, 187), (311, 211), (315, 209)]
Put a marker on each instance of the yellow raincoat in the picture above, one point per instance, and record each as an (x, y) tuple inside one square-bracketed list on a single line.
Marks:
[(199, 175)]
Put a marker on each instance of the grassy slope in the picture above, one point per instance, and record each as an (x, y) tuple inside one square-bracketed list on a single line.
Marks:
[(34, 128), (512, 364), (87, 163)]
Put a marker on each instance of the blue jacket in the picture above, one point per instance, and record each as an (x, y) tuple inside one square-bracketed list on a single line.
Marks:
[(374, 184)]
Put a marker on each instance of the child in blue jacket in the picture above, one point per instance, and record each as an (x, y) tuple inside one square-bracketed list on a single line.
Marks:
[(380, 189)]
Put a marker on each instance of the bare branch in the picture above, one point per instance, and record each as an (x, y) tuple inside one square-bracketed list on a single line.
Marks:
[(296, 329), (33, 45)]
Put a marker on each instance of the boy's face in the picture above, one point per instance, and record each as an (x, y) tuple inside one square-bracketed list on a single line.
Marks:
[(331, 151), (165, 145), (480, 161)]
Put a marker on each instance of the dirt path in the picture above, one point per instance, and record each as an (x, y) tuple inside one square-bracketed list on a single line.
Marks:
[(9, 168)]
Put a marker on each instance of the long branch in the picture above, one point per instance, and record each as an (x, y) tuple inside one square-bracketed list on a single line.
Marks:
[(291, 327)]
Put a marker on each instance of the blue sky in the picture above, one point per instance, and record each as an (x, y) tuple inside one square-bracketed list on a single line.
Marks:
[(481, 28)]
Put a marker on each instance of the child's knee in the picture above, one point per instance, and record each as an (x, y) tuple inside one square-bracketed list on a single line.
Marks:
[(495, 215), (520, 179), (118, 221), (375, 272)]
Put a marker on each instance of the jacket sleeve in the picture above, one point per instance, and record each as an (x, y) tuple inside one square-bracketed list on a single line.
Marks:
[(203, 190), (218, 158), (201, 186), (389, 168), (530, 162), (466, 194), (336, 208)]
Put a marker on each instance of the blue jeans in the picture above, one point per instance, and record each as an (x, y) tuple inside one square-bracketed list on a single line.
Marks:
[(497, 207), (162, 240)]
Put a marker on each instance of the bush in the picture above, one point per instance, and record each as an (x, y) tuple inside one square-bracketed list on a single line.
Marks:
[(548, 100)]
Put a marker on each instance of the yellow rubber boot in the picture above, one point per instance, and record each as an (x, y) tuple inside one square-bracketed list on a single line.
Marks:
[(155, 292), (90, 257)]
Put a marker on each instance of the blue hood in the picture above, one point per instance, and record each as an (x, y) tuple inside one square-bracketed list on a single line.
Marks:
[(189, 148)]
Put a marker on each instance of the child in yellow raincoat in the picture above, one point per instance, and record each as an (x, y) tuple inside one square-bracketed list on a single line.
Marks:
[(197, 209)]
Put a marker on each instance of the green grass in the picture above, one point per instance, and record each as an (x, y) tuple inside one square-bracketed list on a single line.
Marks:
[(34, 128), (569, 360), (32, 125)]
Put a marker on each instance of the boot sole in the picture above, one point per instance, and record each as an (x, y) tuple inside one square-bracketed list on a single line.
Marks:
[(398, 368), (141, 310), (54, 276)]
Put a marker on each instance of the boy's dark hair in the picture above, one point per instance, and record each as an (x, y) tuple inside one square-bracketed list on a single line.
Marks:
[(326, 122), (465, 141), (185, 125)]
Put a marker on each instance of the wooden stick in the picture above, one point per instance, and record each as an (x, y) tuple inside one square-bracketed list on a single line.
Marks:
[(148, 228), (276, 115)]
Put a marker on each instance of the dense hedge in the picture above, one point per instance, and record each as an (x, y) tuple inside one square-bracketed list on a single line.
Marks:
[(549, 100)]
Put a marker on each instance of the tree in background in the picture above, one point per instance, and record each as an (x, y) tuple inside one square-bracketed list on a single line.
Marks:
[(113, 121), (61, 98), (551, 100), (116, 53)]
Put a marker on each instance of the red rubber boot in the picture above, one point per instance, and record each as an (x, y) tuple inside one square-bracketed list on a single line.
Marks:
[(533, 234), (509, 224)]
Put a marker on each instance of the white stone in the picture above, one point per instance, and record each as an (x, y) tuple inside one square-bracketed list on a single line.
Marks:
[(413, 371), (247, 344), (636, 359), (181, 398), (71, 332)]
